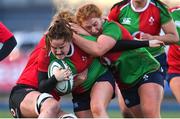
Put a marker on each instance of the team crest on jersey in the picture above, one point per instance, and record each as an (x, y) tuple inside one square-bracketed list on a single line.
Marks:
[(151, 20), (84, 58), (126, 21)]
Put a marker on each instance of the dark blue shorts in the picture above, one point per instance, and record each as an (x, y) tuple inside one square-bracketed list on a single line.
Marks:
[(131, 96), (171, 76), (163, 63), (81, 101)]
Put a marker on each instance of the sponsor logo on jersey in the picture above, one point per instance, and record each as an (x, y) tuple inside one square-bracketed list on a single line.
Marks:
[(127, 21), (29, 89)]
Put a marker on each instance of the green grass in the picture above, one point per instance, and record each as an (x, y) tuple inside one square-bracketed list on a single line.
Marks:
[(113, 114), (5, 114), (116, 114)]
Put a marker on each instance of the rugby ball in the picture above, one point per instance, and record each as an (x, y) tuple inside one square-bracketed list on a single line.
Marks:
[(65, 86)]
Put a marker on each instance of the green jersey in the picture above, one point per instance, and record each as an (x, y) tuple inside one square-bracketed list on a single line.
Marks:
[(132, 64)]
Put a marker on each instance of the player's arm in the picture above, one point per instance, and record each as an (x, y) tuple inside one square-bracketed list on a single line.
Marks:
[(80, 78), (96, 48), (105, 43), (170, 36), (7, 47), (122, 45), (46, 84)]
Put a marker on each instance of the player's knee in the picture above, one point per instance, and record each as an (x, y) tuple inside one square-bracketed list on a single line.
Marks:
[(127, 113), (150, 112), (124, 109), (51, 106), (97, 108)]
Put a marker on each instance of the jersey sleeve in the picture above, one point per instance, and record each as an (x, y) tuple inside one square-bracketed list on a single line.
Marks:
[(164, 14), (114, 13), (175, 13), (113, 30), (43, 60), (5, 34)]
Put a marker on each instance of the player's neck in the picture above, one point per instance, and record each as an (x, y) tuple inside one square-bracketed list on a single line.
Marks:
[(139, 5)]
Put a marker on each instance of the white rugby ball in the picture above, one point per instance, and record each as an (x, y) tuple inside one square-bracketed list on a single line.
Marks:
[(65, 86)]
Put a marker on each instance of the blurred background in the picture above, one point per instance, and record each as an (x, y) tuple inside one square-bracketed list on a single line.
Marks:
[(28, 20)]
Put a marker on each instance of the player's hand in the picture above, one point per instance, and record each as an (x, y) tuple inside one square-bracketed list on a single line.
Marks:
[(78, 29), (83, 75), (146, 36), (62, 74), (80, 78), (155, 43)]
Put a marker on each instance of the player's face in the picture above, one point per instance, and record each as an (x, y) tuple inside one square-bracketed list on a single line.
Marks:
[(60, 48), (93, 26), (140, 1)]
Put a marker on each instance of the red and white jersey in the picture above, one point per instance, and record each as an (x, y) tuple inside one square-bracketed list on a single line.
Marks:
[(174, 50), (5, 34), (38, 60), (147, 20), (174, 59)]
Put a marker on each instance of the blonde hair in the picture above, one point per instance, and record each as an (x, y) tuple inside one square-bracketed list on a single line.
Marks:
[(67, 15), (87, 11)]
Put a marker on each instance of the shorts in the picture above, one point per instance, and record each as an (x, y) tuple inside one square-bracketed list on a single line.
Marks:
[(131, 96), (16, 97), (81, 101), (170, 76), (162, 59)]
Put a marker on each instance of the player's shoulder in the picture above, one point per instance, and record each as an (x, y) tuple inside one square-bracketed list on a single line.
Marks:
[(1, 24), (120, 4), (111, 24), (176, 8), (159, 4)]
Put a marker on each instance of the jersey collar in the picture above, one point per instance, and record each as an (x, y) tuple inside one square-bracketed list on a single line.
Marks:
[(71, 52), (140, 10)]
